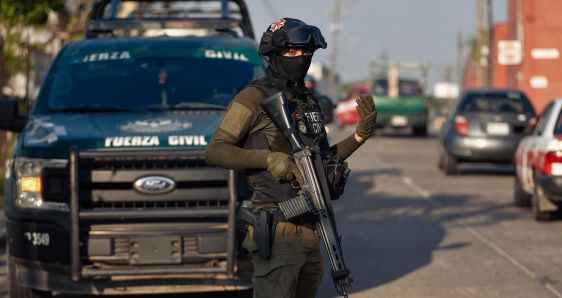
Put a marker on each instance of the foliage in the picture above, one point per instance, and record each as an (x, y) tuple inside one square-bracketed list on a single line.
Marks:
[(474, 50), (14, 17), (27, 12), (13, 61), (11, 147)]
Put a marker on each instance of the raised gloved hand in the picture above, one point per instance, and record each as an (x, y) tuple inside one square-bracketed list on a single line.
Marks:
[(281, 167), (367, 116)]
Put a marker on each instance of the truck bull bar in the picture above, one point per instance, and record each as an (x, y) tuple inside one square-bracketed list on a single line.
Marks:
[(76, 215)]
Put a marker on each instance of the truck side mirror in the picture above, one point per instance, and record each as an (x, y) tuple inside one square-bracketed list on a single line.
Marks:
[(10, 118)]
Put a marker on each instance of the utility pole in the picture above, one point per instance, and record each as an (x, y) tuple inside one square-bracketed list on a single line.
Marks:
[(460, 52), (335, 28), (490, 64), (481, 50)]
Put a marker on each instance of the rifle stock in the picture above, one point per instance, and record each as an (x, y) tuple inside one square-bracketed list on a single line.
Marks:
[(314, 189)]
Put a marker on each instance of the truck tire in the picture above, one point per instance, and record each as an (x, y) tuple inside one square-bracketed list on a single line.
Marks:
[(450, 164), (537, 200), (17, 291), (520, 197), (420, 131)]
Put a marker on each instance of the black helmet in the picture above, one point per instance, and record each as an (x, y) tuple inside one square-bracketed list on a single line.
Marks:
[(289, 33)]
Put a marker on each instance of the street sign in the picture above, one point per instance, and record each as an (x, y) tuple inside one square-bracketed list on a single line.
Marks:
[(509, 52)]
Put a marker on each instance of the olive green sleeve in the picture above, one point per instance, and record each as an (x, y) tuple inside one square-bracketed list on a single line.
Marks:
[(346, 147), (240, 117)]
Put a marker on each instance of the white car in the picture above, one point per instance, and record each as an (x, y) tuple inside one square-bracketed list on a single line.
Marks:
[(538, 161)]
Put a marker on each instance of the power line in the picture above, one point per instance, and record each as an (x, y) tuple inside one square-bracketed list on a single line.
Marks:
[(270, 9)]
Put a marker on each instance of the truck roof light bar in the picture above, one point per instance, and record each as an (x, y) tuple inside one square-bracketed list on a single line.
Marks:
[(223, 18)]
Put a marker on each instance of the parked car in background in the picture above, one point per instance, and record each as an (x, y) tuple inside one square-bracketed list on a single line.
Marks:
[(406, 109), (345, 109), (538, 160), (485, 126)]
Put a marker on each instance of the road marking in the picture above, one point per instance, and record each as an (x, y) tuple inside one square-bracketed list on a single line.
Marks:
[(409, 182)]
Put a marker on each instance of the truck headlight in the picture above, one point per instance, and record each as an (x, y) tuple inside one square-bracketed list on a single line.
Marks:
[(30, 185)]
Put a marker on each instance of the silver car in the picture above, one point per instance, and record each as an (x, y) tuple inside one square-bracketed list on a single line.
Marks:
[(484, 126)]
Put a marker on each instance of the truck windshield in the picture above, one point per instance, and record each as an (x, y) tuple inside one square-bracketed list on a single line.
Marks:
[(146, 83), (405, 88)]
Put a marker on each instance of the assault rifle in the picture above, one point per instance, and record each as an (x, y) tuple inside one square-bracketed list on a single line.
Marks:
[(314, 195)]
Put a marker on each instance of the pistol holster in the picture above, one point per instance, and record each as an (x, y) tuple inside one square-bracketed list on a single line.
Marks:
[(264, 231)]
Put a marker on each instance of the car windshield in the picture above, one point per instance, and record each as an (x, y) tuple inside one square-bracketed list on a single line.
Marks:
[(146, 83), (509, 102), (405, 88)]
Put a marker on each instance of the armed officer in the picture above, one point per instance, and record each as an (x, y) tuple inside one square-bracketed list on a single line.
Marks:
[(287, 260)]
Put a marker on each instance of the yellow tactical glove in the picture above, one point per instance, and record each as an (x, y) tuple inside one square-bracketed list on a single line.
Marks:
[(281, 167), (367, 116)]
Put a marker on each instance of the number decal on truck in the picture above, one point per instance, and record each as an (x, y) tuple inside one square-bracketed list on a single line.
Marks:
[(38, 239)]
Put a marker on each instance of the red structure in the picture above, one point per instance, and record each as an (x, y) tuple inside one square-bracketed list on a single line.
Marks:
[(527, 50), (500, 71)]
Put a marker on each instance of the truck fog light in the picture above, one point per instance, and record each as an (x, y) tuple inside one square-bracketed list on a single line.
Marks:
[(28, 199)]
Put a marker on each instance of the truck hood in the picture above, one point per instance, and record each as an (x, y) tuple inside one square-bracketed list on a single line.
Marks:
[(400, 106), (51, 136)]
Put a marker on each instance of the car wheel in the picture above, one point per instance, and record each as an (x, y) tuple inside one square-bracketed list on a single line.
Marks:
[(420, 131), (521, 198), (450, 164), (17, 291), (538, 200)]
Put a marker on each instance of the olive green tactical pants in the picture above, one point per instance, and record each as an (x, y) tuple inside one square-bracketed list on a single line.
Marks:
[(294, 269)]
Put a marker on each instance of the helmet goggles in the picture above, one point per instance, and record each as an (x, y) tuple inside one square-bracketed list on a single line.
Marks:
[(306, 36)]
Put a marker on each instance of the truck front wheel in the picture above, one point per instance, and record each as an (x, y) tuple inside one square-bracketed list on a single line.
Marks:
[(420, 131)]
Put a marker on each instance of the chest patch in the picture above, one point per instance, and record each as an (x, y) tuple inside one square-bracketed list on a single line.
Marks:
[(309, 122)]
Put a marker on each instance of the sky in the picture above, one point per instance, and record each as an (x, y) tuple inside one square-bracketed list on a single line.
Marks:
[(409, 30)]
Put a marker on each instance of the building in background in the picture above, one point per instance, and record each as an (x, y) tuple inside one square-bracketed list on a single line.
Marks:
[(527, 50)]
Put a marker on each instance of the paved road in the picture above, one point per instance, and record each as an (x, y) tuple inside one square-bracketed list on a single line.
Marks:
[(410, 231)]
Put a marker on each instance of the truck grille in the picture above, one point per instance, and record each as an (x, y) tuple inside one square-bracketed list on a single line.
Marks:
[(106, 183), (160, 205)]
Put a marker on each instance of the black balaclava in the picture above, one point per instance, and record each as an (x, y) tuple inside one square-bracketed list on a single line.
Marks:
[(292, 69)]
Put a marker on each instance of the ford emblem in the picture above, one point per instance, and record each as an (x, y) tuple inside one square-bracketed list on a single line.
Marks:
[(154, 185)]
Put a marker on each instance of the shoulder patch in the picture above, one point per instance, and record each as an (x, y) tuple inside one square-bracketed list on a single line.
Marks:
[(250, 97), (237, 120)]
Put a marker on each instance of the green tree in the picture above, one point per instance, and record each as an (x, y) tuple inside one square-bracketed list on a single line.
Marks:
[(14, 17)]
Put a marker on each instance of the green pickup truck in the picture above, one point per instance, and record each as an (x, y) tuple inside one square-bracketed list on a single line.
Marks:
[(407, 108)]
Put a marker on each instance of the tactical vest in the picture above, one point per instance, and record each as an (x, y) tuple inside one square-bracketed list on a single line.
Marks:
[(308, 118)]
